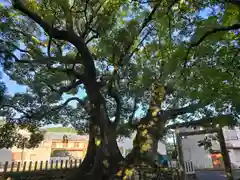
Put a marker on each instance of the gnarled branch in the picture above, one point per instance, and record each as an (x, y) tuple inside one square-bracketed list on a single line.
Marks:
[(173, 113), (68, 36), (205, 35), (222, 120)]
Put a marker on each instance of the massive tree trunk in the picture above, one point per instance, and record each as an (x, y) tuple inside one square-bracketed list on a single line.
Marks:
[(88, 161), (101, 160), (103, 155), (145, 144), (150, 128), (107, 157)]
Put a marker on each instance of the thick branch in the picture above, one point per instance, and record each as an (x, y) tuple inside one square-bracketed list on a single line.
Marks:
[(134, 111), (71, 86), (39, 114), (13, 45), (16, 109), (117, 99), (53, 32), (82, 102), (144, 24), (48, 61), (199, 132), (80, 79), (173, 113), (68, 36), (213, 31), (222, 120), (45, 61), (146, 21), (205, 35)]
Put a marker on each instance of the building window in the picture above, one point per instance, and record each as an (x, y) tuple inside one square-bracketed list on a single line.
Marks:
[(231, 134), (54, 144), (76, 144), (65, 145), (81, 145), (237, 155), (16, 156)]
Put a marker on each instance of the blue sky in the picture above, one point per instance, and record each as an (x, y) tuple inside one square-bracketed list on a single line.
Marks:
[(13, 87)]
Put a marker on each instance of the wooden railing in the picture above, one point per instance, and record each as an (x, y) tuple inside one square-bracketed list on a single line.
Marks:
[(38, 165)]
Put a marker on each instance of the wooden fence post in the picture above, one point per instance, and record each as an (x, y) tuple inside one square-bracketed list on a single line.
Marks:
[(46, 165), (41, 165), (61, 164), (5, 166), (18, 166), (51, 165), (30, 166), (12, 166), (80, 162), (75, 163), (56, 165), (35, 166), (24, 166), (66, 164)]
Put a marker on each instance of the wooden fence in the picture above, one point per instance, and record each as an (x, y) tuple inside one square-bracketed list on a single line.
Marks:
[(39, 169), (63, 169)]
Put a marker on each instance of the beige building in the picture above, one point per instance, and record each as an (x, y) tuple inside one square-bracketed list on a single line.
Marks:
[(51, 146)]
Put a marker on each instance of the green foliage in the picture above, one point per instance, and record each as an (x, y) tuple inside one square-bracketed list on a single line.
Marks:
[(9, 137)]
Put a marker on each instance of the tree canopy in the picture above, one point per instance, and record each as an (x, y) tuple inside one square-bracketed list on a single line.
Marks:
[(169, 60)]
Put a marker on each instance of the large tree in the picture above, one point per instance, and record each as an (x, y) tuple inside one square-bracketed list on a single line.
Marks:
[(170, 59)]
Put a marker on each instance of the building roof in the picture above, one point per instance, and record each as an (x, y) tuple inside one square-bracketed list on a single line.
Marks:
[(70, 136), (61, 129), (57, 133)]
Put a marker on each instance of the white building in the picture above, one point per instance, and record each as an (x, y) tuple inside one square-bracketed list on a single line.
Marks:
[(203, 159), (126, 145), (5, 155)]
